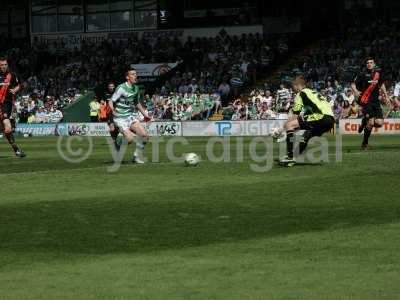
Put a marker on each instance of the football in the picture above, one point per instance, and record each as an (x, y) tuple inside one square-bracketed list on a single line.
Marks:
[(277, 133), (192, 159)]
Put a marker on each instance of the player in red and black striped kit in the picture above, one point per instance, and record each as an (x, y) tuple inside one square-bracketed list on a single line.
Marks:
[(9, 87), (366, 88), (114, 131)]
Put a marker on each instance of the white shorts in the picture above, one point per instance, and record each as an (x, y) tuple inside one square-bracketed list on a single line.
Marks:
[(125, 123)]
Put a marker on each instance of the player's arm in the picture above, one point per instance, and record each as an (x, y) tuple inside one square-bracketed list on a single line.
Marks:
[(111, 106), (144, 112), (298, 104), (115, 97), (16, 87), (15, 90), (356, 92), (388, 113), (140, 107), (385, 95), (297, 107)]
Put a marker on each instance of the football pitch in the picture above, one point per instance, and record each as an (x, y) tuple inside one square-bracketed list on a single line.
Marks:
[(215, 231)]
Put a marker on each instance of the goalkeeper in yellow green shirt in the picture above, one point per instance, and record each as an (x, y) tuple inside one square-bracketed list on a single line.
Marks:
[(311, 113)]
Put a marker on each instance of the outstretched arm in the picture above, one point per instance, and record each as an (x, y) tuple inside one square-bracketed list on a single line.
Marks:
[(144, 112), (15, 89), (111, 105), (386, 99), (15, 83), (356, 92)]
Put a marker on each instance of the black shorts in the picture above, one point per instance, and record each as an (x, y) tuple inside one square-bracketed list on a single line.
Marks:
[(317, 128), (373, 110), (110, 120), (6, 109)]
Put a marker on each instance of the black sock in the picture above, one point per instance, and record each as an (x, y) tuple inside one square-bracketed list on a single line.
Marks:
[(303, 146), (11, 141), (363, 124), (114, 134), (367, 134), (289, 143), (307, 135)]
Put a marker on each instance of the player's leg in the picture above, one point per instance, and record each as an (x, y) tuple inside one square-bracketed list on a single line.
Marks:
[(367, 133), (123, 125), (378, 123), (290, 127), (364, 122), (129, 136), (142, 139), (8, 132), (6, 111), (372, 123), (315, 129), (113, 129), (310, 130), (375, 114)]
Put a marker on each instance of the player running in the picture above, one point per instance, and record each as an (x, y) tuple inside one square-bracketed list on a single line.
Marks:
[(9, 87), (108, 115), (125, 104), (366, 88), (312, 113)]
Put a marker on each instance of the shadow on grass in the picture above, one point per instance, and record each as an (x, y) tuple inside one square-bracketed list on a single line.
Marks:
[(377, 148), (150, 222)]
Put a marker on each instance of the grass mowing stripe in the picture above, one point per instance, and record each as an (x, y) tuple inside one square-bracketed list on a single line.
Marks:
[(219, 231)]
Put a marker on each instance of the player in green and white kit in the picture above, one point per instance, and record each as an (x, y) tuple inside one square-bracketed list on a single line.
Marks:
[(125, 105)]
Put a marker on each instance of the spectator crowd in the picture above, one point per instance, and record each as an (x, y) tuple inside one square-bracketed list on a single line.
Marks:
[(214, 77), (216, 67), (259, 104)]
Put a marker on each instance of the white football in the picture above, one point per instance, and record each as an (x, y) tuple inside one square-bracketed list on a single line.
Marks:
[(279, 134), (192, 159)]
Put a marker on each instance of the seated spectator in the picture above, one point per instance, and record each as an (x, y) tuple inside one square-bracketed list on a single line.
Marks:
[(349, 96), (41, 116), (345, 110), (337, 111), (228, 112), (394, 113), (55, 115), (266, 113), (354, 110), (224, 90), (30, 119), (252, 111)]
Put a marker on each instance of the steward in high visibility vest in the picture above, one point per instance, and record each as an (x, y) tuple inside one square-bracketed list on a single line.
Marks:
[(94, 107)]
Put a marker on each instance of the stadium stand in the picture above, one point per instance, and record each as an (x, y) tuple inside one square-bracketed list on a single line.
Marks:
[(214, 73), (215, 69)]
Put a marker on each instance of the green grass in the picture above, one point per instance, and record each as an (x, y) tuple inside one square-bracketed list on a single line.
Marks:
[(216, 231)]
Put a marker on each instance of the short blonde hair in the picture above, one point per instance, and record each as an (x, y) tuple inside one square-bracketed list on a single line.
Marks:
[(299, 80)]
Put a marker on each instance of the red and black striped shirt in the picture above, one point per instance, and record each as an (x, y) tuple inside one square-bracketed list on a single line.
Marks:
[(8, 80), (369, 83)]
